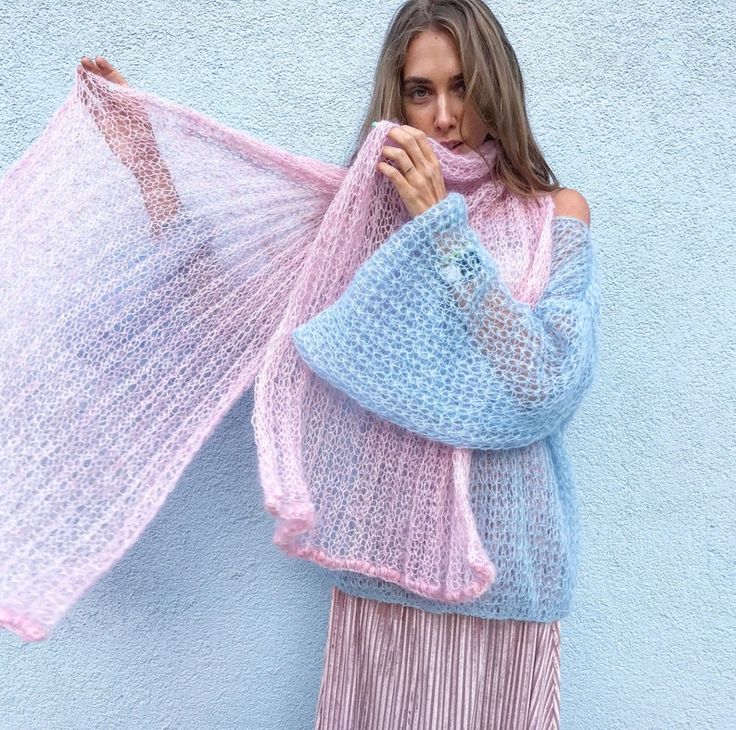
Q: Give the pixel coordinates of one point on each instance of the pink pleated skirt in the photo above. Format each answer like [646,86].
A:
[393,667]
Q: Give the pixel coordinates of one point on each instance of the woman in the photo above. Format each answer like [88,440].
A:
[395,658]
[448,72]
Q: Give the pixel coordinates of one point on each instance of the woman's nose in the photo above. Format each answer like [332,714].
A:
[445,113]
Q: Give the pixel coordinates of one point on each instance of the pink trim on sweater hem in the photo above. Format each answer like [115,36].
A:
[486,571]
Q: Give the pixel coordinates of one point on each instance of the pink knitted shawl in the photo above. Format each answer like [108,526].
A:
[125,342]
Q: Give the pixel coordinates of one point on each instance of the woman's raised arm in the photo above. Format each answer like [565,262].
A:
[128,132]
[445,351]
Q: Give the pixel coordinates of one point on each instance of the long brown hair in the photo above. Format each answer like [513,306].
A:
[493,82]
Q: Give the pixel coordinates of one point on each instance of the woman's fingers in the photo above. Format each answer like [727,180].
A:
[399,156]
[102,67]
[108,69]
[407,137]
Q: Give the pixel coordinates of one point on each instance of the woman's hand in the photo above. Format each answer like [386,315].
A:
[422,185]
[126,127]
[121,118]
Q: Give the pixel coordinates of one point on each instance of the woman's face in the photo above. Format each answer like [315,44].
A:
[433,92]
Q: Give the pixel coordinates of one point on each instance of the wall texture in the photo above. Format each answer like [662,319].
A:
[205,623]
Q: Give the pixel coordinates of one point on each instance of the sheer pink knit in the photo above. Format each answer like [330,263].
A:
[125,343]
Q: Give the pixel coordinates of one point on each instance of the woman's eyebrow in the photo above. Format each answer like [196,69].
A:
[422,80]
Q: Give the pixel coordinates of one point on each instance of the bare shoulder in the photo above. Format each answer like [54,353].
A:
[570,202]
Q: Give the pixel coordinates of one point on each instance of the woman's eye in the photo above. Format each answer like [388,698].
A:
[414,93]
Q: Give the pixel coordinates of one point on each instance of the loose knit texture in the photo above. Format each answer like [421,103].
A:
[465,364]
[125,342]
[522,487]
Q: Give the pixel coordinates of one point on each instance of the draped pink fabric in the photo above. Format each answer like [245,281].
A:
[125,341]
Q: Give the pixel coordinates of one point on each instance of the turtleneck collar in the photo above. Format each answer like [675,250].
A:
[462,172]
[463,169]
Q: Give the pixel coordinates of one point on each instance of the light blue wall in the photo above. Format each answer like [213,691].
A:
[205,623]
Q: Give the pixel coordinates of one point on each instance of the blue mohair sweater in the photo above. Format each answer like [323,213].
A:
[507,398]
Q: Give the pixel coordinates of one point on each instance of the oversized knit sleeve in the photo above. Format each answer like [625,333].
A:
[458,359]
[125,337]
